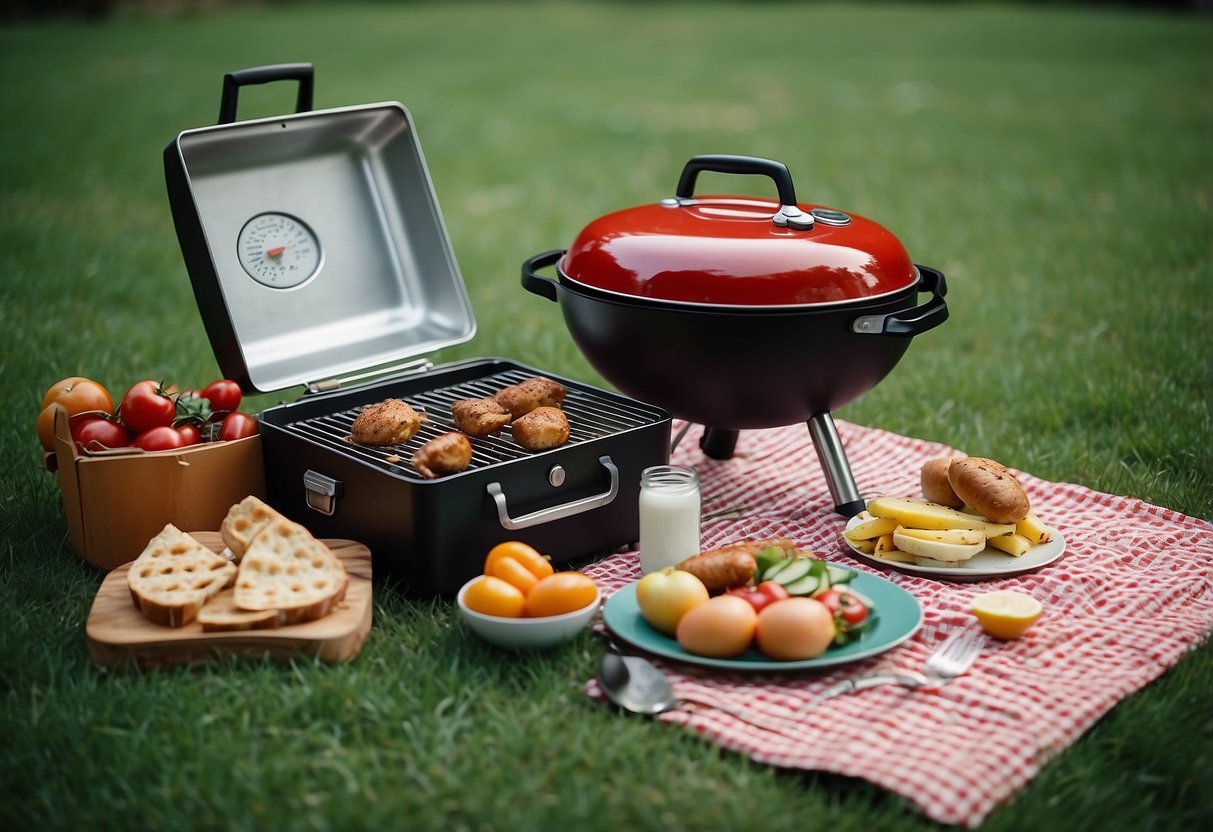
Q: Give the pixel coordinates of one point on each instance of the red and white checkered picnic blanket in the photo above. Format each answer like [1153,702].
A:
[1130,596]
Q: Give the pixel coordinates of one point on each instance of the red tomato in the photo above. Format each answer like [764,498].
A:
[238,426]
[100,434]
[762,595]
[147,405]
[224,395]
[160,438]
[79,396]
[190,434]
[848,610]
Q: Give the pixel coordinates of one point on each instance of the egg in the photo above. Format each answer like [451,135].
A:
[794,629]
[721,627]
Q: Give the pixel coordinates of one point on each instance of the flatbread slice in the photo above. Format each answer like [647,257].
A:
[175,576]
[242,523]
[222,615]
[286,569]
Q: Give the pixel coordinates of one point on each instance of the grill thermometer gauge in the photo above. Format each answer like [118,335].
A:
[278,250]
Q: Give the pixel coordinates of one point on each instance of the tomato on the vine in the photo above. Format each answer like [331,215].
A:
[190,434]
[844,606]
[761,596]
[223,394]
[100,434]
[237,426]
[146,405]
[80,396]
[160,438]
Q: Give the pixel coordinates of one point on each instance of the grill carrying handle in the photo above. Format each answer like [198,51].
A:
[559,512]
[914,321]
[233,81]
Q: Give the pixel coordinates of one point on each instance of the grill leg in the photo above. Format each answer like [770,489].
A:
[718,443]
[833,459]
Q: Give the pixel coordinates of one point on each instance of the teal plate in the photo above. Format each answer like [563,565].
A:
[898,616]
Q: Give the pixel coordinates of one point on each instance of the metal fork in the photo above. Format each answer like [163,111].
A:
[951,659]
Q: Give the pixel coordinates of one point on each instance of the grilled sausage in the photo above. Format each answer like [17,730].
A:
[723,568]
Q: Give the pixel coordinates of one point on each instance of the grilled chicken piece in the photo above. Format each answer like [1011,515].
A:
[523,397]
[390,422]
[479,417]
[541,429]
[449,453]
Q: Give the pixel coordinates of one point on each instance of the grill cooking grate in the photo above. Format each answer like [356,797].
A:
[591,416]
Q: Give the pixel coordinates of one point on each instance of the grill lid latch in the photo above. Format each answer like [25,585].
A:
[321,492]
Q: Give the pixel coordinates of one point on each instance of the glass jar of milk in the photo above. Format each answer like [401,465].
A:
[669,516]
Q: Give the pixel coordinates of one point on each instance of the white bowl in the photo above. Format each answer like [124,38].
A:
[527,633]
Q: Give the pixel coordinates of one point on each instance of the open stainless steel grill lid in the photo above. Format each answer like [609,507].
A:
[319,257]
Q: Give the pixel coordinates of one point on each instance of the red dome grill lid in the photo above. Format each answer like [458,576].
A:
[738,251]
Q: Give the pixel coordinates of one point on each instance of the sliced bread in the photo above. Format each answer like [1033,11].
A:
[284,568]
[175,576]
[242,523]
[221,615]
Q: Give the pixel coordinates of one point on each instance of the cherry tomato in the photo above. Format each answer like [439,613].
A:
[238,426]
[224,395]
[147,404]
[844,607]
[493,596]
[93,435]
[762,595]
[79,396]
[159,438]
[526,556]
[559,593]
[190,434]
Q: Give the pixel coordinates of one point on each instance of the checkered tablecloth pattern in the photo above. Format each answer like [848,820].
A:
[1129,597]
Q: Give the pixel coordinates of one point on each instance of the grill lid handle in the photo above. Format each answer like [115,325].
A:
[232,81]
[559,512]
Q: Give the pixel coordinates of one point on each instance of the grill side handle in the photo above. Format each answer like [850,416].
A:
[559,512]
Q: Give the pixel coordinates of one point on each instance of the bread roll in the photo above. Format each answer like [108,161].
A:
[935,485]
[989,488]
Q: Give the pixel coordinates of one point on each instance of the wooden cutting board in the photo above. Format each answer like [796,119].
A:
[118,634]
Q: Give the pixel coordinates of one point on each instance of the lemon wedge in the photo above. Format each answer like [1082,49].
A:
[1006,614]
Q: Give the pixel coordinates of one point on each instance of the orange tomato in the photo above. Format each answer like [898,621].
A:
[493,596]
[535,563]
[78,396]
[559,593]
[512,572]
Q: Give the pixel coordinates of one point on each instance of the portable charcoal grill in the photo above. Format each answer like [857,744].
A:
[318,257]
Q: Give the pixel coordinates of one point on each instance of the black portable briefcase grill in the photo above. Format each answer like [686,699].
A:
[319,257]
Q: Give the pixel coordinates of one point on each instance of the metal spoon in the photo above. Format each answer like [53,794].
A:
[636,685]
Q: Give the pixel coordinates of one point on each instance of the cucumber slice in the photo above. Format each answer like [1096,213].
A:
[771,571]
[767,558]
[804,586]
[794,571]
[839,575]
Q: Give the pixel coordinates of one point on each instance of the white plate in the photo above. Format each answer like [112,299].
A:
[986,564]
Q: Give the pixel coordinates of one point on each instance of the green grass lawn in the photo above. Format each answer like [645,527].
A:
[1055,163]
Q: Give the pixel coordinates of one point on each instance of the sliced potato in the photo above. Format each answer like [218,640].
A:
[1015,545]
[957,537]
[936,550]
[917,514]
[868,547]
[1035,531]
[871,529]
